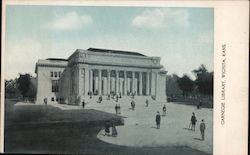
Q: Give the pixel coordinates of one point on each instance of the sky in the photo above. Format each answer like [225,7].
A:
[182,37]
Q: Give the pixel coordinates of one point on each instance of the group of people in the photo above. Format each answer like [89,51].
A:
[193,124]
[111,125]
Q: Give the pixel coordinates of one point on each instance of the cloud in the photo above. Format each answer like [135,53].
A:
[21,56]
[69,21]
[162,18]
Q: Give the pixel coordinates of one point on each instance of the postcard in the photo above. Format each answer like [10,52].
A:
[128,77]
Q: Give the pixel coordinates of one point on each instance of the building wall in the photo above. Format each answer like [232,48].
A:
[44,84]
[75,85]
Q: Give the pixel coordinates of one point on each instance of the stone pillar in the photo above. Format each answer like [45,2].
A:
[91,80]
[129,84]
[140,83]
[135,86]
[96,83]
[125,83]
[117,82]
[99,82]
[86,81]
[105,86]
[112,84]
[147,83]
[108,82]
[120,85]
[133,82]
[153,83]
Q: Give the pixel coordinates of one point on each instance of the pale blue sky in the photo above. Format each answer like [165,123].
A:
[182,37]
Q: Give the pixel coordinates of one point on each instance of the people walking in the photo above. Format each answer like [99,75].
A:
[202,129]
[158,120]
[116,109]
[164,109]
[193,122]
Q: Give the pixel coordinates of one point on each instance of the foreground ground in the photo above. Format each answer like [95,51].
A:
[139,127]
[69,136]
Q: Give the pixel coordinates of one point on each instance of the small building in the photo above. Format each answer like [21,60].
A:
[99,72]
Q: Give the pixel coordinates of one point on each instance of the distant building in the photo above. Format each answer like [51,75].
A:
[99,72]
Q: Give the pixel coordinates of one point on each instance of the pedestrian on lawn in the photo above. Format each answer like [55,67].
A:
[202,129]
[193,121]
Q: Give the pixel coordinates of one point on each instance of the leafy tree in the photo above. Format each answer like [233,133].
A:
[31,93]
[24,83]
[11,89]
[172,87]
[204,80]
[186,85]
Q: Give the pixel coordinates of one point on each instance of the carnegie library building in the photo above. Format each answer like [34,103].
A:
[99,72]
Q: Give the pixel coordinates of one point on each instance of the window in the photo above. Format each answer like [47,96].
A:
[56,99]
[55,74]
[51,74]
[52,99]
[55,86]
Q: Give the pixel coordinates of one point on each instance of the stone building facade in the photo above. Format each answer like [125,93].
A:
[99,72]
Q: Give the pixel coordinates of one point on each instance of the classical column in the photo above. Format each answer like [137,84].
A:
[85,75]
[125,83]
[133,82]
[117,82]
[147,83]
[100,82]
[140,83]
[120,85]
[153,83]
[91,80]
[108,83]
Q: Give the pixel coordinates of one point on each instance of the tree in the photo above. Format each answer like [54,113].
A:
[204,80]
[186,85]
[172,87]
[11,89]
[24,83]
[31,93]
